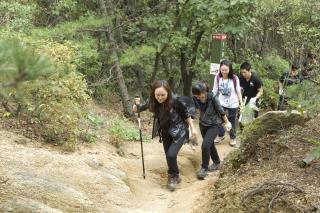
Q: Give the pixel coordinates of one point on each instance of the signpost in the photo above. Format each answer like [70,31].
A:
[217,53]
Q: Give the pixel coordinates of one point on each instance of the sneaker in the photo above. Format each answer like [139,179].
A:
[178,178]
[218,139]
[172,182]
[214,167]
[233,142]
[202,173]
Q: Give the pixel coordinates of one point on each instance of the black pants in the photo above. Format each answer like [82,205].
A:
[283,103]
[208,147]
[171,150]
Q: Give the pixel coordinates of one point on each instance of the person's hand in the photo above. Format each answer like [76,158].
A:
[241,106]
[194,133]
[228,126]
[280,91]
[137,100]
[135,103]
[253,100]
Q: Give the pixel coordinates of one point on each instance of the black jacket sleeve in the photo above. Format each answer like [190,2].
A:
[144,106]
[185,107]
[217,106]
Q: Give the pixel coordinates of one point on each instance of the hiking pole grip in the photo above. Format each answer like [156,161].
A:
[141,143]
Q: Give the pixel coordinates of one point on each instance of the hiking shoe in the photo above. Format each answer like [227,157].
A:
[218,139]
[172,182]
[178,178]
[214,167]
[202,173]
[233,142]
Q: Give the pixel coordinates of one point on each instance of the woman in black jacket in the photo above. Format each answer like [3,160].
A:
[173,118]
[212,116]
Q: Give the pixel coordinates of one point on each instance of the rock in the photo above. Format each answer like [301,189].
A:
[29,205]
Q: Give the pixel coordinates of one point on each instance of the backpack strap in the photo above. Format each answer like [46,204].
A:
[234,80]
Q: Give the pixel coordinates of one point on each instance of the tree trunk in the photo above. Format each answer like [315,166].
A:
[185,74]
[156,67]
[141,81]
[106,11]
[166,69]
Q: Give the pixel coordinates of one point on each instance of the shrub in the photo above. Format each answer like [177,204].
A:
[54,98]
[122,130]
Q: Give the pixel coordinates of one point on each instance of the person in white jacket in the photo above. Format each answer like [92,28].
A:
[227,88]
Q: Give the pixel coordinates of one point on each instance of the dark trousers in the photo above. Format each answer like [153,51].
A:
[232,117]
[208,148]
[283,103]
[171,150]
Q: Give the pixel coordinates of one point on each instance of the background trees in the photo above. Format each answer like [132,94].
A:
[121,46]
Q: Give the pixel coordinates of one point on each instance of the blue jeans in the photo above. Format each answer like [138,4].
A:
[232,116]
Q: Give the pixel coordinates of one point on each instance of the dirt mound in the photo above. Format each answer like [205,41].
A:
[272,181]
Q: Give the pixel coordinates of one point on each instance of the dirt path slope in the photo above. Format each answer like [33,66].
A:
[95,179]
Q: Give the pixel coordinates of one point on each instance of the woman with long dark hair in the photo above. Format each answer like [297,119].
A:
[173,118]
[227,88]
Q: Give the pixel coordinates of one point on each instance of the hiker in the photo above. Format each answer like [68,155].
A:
[173,119]
[288,78]
[251,86]
[310,66]
[212,116]
[227,88]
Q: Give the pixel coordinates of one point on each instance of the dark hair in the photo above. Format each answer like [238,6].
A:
[311,55]
[228,64]
[295,65]
[199,87]
[154,104]
[245,66]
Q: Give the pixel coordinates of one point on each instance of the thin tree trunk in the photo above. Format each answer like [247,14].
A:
[106,10]
[166,69]
[156,67]
[186,76]
[141,81]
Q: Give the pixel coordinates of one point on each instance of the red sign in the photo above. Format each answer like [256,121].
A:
[219,37]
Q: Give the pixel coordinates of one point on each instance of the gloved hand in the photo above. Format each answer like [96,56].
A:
[135,103]
[137,100]
[280,91]
[253,100]
[228,126]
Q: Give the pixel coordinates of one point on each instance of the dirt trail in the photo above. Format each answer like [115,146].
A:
[151,194]
[37,178]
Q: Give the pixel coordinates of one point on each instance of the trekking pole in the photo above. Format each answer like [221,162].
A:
[280,105]
[140,131]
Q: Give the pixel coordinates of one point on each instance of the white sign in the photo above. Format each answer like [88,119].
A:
[214,68]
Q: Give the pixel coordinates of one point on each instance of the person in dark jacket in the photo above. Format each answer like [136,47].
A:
[173,119]
[288,78]
[212,117]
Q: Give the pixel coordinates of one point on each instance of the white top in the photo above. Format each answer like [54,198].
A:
[226,92]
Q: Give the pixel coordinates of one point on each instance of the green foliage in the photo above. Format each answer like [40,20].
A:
[88,132]
[269,69]
[17,15]
[122,130]
[51,13]
[313,155]
[137,55]
[61,107]
[20,66]
[54,103]
[304,97]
